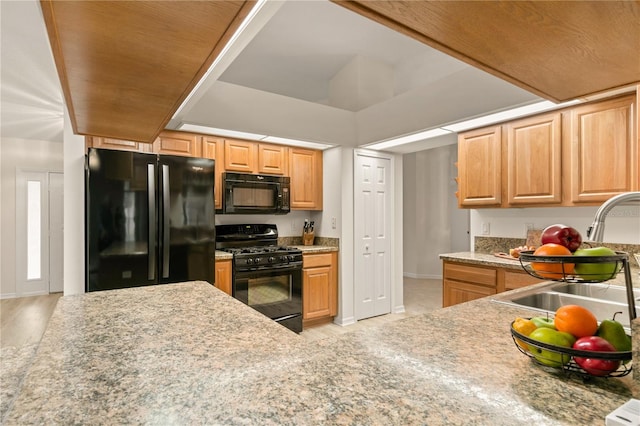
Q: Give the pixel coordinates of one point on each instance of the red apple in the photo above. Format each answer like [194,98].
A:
[563,235]
[594,366]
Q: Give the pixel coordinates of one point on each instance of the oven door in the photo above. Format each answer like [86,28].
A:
[275,292]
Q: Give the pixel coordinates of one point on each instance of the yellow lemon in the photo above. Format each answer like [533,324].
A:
[524,327]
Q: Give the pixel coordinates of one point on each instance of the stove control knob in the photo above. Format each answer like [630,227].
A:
[284,258]
[290,258]
[249,261]
[257,260]
[271,259]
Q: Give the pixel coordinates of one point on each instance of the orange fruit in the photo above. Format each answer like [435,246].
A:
[576,320]
[552,270]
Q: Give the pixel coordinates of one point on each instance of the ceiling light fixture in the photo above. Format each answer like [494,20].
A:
[473,123]
[214,131]
[297,142]
[511,114]
[220,132]
[402,140]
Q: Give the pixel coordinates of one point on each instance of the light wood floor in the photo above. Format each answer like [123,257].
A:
[24,320]
[420,296]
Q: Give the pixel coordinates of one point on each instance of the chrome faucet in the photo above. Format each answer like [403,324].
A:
[596,231]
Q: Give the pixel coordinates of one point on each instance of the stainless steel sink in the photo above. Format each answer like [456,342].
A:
[612,293]
[601,299]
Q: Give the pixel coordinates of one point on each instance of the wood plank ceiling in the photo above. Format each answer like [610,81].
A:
[559,50]
[127,66]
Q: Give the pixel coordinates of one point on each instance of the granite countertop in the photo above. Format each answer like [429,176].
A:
[316,249]
[484,259]
[188,353]
[223,255]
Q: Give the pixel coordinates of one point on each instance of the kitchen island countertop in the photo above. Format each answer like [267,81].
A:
[188,353]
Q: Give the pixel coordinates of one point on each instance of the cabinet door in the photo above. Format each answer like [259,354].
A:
[121,145]
[273,159]
[240,156]
[513,280]
[178,143]
[317,293]
[533,160]
[455,292]
[479,168]
[213,148]
[223,275]
[603,157]
[305,170]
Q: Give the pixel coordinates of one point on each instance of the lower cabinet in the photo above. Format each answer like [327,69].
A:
[319,287]
[464,282]
[223,275]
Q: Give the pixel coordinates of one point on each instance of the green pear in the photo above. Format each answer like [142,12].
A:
[612,332]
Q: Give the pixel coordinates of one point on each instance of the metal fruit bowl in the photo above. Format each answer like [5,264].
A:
[571,367]
[562,262]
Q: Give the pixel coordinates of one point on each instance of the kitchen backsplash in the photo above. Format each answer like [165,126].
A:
[499,244]
[318,241]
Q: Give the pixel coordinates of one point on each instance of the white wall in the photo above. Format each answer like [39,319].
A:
[622,224]
[20,154]
[74,248]
[432,222]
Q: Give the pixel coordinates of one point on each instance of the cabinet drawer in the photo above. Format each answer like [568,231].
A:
[513,280]
[472,274]
[315,260]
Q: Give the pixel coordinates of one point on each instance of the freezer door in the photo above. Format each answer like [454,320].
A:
[120,249]
[186,219]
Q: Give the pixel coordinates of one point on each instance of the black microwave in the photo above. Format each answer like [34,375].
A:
[246,193]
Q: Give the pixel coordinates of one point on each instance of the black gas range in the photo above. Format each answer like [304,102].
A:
[264,257]
[265,275]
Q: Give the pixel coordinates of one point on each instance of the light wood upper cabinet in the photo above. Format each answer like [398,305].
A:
[273,159]
[534,160]
[213,148]
[240,156]
[479,167]
[108,143]
[305,170]
[577,156]
[178,143]
[602,150]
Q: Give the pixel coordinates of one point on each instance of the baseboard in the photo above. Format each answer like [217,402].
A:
[8,296]
[398,310]
[422,277]
[345,321]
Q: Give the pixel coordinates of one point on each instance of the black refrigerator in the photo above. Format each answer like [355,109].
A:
[149,219]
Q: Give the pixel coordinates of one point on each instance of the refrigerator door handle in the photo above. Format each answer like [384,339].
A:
[151,239]
[165,219]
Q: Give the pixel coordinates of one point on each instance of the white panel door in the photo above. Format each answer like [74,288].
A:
[372,210]
[56,232]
